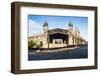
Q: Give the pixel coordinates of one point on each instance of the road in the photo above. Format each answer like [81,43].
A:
[74,53]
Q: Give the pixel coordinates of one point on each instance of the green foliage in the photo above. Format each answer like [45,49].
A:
[31,43]
[39,44]
[36,44]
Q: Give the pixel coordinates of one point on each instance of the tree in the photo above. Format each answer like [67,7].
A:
[31,44]
[39,44]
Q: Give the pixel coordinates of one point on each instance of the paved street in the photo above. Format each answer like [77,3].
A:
[64,53]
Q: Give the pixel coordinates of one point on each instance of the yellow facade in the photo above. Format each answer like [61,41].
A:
[58,37]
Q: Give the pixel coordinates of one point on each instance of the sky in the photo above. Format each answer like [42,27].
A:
[35,23]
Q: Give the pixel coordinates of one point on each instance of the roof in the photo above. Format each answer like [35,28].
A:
[58,30]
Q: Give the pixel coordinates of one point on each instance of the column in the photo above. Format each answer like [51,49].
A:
[53,41]
[74,40]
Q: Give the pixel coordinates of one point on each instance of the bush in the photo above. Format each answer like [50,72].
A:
[35,44]
[31,44]
[39,45]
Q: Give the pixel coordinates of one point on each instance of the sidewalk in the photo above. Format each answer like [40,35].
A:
[55,50]
[52,51]
[62,49]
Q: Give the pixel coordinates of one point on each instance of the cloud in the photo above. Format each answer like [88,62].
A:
[34,28]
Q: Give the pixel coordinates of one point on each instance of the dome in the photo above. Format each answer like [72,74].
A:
[45,24]
[70,24]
